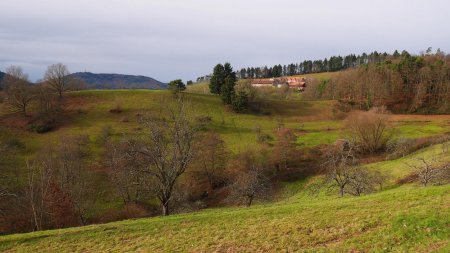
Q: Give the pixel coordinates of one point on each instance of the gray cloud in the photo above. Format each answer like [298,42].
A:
[168,39]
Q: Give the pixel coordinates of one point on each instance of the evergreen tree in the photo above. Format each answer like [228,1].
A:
[217,79]
[240,101]
[227,90]
[243,73]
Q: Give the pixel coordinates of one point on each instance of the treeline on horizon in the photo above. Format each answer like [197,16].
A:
[331,64]
[402,82]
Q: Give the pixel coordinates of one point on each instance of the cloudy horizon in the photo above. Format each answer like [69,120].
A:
[173,39]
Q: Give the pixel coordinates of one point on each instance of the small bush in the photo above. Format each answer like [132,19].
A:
[41,127]
[81,111]
[403,147]
[117,107]
[14,143]
[105,134]
[202,122]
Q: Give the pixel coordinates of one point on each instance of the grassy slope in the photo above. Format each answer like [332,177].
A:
[405,219]
[401,218]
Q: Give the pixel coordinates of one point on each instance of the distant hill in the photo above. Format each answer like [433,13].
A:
[118,81]
[2,74]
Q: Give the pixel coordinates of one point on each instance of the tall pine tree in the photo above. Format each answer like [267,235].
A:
[217,79]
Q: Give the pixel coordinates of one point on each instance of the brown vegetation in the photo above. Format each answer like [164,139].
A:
[402,83]
[369,131]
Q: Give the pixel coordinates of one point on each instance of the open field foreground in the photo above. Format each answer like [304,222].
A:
[403,219]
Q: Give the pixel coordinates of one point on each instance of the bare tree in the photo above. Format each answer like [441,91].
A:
[49,107]
[284,149]
[342,170]
[379,178]
[213,156]
[38,188]
[339,165]
[66,162]
[18,90]
[167,147]
[57,77]
[249,185]
[125,172]
[361,181]
[429,170]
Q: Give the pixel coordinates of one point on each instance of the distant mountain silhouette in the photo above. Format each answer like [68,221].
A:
[2,74]
[118,81]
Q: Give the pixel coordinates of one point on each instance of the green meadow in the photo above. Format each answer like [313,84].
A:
[400,218]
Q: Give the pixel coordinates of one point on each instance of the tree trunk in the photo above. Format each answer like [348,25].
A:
[249,201]
[165,207]
[341,191]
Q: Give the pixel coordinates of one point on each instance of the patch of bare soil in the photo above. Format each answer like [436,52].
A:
[372,159]
[15,121]
[73,103]
[408,179]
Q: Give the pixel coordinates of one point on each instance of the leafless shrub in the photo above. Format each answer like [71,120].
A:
[66,164]
[397,148]
[49,110]
[370,131]
[248,186]
[430,170]
[285,148]
[38,188]
[19,92]
[342,170]
[211,160]
[361,181]
[125,172]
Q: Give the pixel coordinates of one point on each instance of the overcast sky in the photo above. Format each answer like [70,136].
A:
[169,39]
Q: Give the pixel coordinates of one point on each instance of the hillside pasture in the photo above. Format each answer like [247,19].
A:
[404,219]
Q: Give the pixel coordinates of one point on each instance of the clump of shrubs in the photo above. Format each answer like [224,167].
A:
[41,127]
[14,143]
[402,147]
[105,134]
[117,107]
[202,122]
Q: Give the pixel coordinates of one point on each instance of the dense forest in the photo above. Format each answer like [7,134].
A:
[334,63]
[403,83]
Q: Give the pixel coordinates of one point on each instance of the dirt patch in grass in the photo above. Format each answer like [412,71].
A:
[408,179]
[73,103]
[15,121]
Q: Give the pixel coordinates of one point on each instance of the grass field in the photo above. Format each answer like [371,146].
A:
[400,219]
[404,219]
[88,112]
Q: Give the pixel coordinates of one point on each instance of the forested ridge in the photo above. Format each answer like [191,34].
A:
[331,64]
[403,83]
